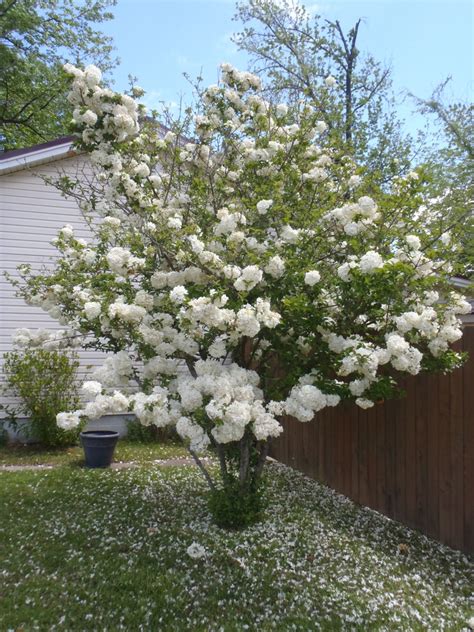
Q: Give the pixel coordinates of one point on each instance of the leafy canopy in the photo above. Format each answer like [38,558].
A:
[36,38]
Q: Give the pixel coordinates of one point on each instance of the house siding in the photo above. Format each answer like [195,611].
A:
[31,213]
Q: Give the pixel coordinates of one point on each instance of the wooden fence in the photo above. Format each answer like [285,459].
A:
[411,459]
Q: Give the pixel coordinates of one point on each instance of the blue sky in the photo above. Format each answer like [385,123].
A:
[423,41]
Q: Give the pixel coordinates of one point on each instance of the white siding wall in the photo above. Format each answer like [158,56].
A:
[31,213]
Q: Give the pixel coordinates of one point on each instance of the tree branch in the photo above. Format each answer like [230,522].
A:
[200,465]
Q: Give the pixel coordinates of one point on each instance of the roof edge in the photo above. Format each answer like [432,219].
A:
[19,159]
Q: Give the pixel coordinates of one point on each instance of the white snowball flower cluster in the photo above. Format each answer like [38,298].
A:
[92,309]
[370,261]
[234,402]
[275,267]
[355,217]
[312,277]
[330,81]
[117,370]
[404,357]
[153,409]
[91,389]
[306,400]
[249,277]
[45,339]
[119,118]
[68,420]
[128,313]
[122,262]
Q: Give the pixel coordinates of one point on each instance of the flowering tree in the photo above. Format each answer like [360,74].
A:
[242,276]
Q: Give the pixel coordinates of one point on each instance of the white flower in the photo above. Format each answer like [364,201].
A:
[89,117]
[312,277]
[263,206]
[316,174]
[246,322]
[275,267]
[366,206]
[364,403]
[196,551]
[175,223]
[113,222]
[126,312]
[68,421]
[121,261]
[353,228]
[248,279]
[370,262]
[330,81]
[92,309]
[92,75]
[218,348]
[178,294]
[343,271]
[91,388]
[67,231]
[144,299]
[413,242]
[354,181]
[290,234]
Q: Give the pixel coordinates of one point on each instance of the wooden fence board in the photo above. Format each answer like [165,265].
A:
[457,465]
[432,506]
[410,454]
[468,455]
[423,405]
[380,503]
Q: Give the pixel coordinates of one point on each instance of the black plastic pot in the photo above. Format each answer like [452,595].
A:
[99,446]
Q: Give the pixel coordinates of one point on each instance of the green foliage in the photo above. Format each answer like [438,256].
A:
[3,434]
[36,39]
[449,170]
[138,433]
[446,363]
[234,507]
[45,382]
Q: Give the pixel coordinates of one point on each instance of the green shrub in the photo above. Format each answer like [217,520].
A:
[235,508]
[139,433]
[45,383]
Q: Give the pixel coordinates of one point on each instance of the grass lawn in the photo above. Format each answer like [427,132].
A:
[106,550]
[21,454]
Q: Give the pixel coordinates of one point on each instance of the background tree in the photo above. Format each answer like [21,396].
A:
[449,169]
[306,57]
[36,38]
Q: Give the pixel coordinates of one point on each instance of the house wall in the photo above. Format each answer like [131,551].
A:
[31,213]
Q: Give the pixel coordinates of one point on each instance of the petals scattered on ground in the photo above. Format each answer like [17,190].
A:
[87,550]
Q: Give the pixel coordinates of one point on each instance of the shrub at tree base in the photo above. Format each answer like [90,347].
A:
[243,275]
[137,432]
[45,382]
[235,508]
